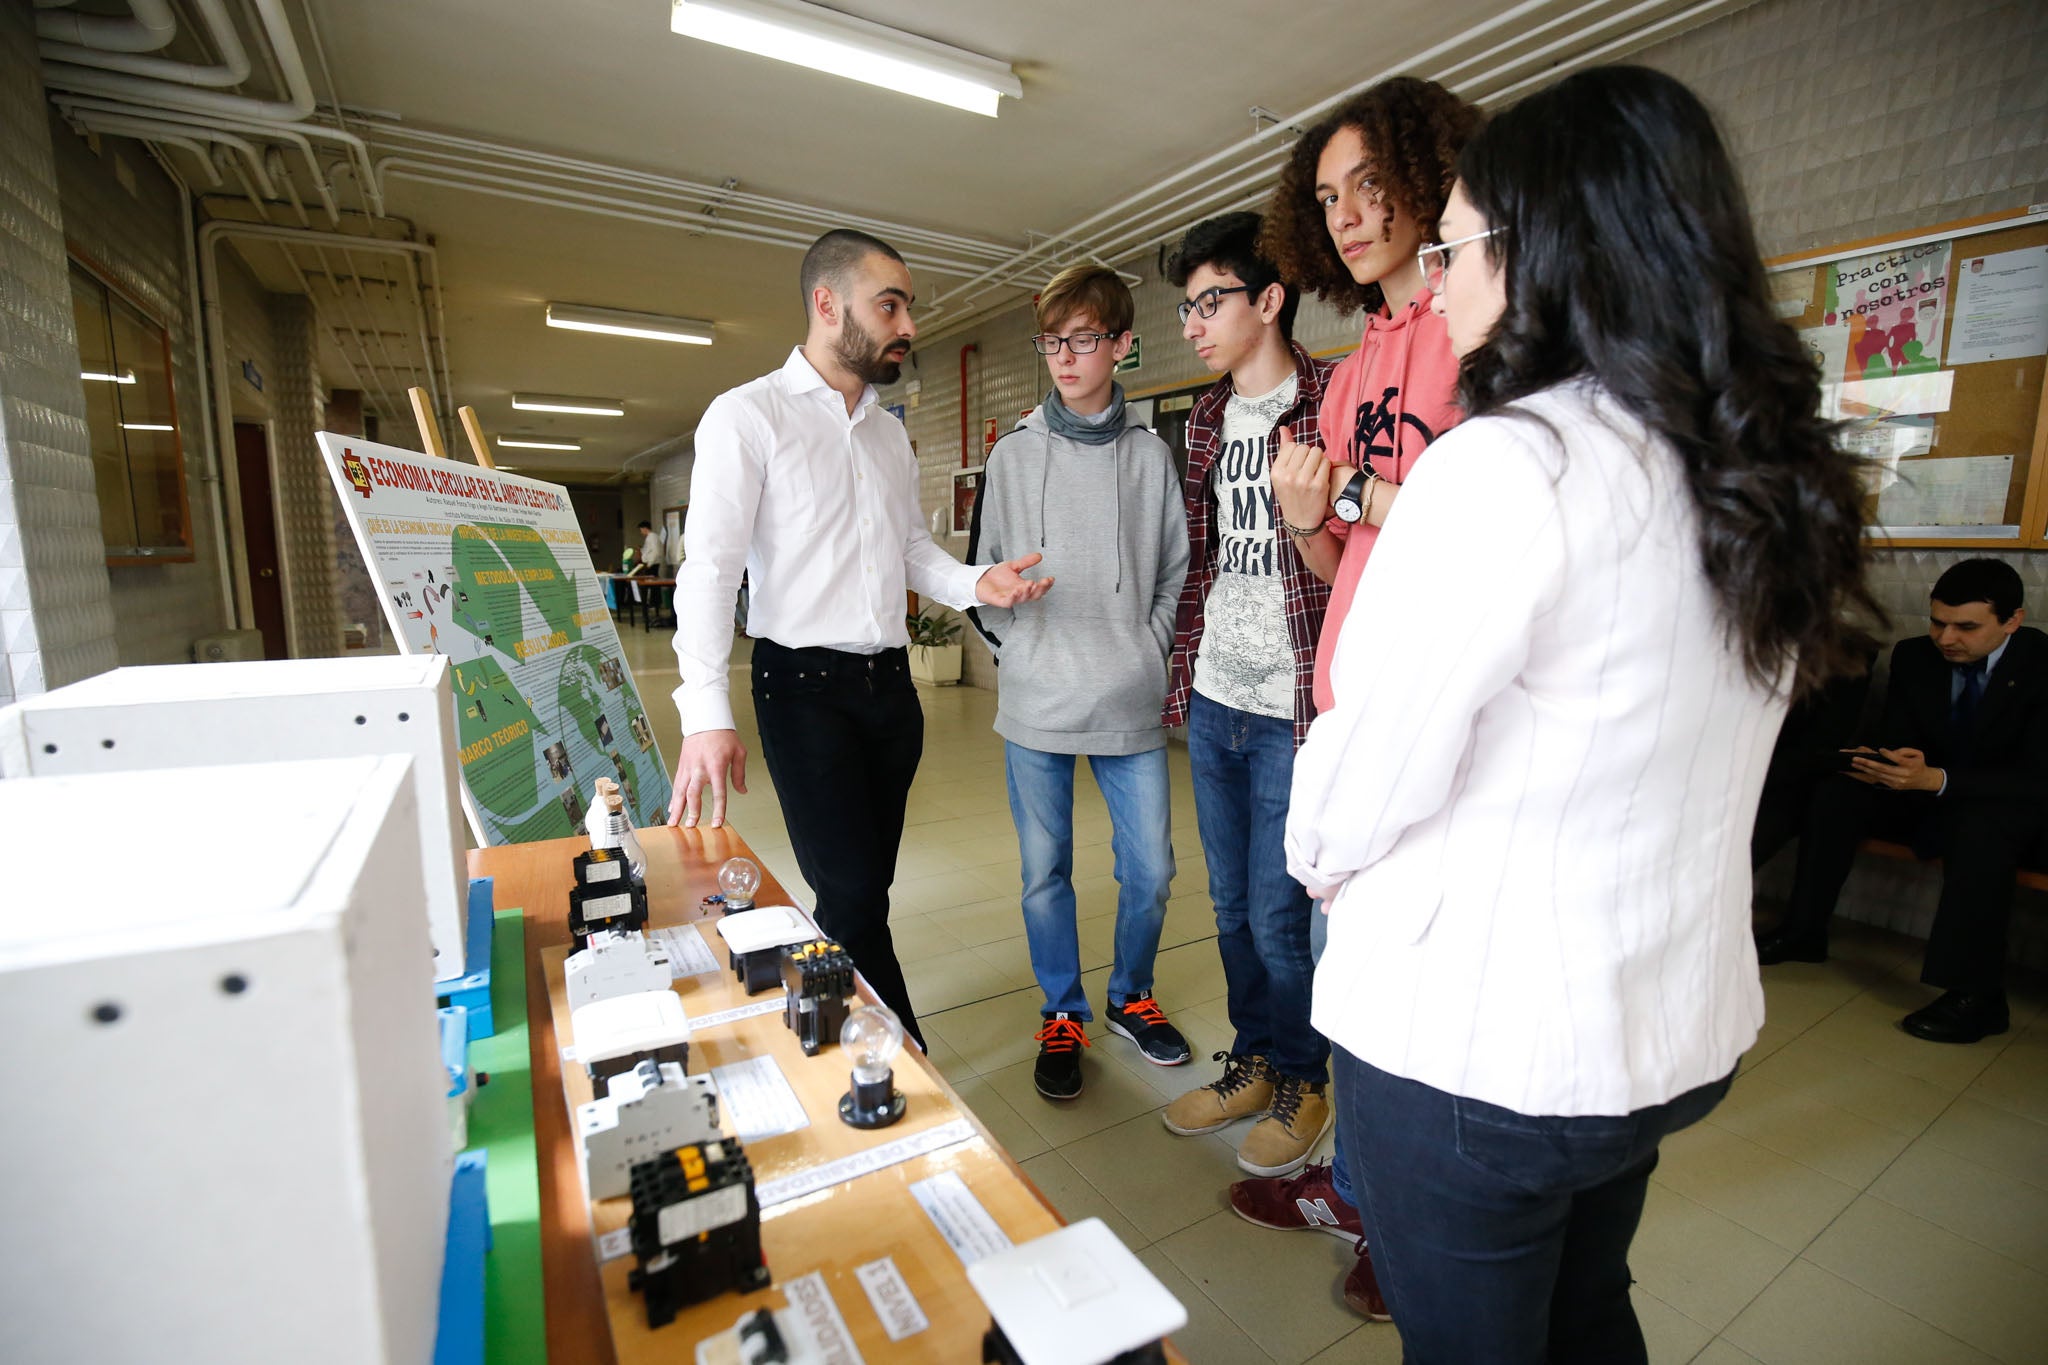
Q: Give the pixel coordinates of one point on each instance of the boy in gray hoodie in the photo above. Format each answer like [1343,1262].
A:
[1083,670]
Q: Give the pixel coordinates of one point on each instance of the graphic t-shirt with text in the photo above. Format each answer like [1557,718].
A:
[1245,659]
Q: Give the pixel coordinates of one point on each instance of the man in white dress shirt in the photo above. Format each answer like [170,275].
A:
[807,485]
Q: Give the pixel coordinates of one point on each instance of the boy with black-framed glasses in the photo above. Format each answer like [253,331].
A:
[1241,679]
[1083,671]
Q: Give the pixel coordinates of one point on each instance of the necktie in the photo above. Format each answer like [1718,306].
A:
[1973,692]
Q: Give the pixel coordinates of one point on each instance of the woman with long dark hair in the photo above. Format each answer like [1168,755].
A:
[1529,811]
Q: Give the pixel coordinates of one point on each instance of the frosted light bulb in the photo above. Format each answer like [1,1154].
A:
[872,1037]
[738,880]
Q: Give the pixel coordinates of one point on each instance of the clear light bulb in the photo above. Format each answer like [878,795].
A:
[872,1036]
[738,880]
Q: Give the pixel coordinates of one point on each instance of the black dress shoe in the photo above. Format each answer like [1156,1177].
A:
[1780,946]
[1959,1017]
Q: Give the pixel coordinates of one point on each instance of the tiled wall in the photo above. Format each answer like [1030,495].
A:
[122,212]
[56,619]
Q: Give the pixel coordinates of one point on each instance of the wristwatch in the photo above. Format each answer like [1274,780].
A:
[1350,504]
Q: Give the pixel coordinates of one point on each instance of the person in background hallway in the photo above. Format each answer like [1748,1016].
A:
[803,482]
[1243,659]
[1960,772]
[650,551]
[1529,811]
[1361,192]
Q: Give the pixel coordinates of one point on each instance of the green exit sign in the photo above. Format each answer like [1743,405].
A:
[1136,358]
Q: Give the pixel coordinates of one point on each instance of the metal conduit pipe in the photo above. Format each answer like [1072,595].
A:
[582,180]
[207,252]
[155,130]
[761,235]
[569,197]
[231,69]
[149,27]
[170,94]
[296,134]
[525,159]
[1628,42]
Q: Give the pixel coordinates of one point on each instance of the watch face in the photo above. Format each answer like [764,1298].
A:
[1347,509]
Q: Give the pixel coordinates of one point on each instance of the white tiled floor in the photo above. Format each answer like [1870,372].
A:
[1861,1197]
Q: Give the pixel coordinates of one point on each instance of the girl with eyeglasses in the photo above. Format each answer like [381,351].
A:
[1360,195]
[1556,698]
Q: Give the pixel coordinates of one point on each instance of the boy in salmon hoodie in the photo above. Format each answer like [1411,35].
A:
[1083,671]
[1360,195]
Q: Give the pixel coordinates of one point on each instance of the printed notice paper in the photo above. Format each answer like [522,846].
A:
[756,1096]
[2001,307]
[960,1217]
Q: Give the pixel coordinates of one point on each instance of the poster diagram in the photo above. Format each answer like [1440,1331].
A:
[490,570]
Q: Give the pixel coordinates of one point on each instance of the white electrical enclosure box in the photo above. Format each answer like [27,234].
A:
[1076,1296]
[225,1135]
[184,715]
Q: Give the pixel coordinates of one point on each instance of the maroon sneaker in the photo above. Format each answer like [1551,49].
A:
[1362,1288]
[1292,1203]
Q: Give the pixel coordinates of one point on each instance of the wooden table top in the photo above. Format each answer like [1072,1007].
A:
[591,1316]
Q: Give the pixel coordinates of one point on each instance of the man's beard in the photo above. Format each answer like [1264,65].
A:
[865,358]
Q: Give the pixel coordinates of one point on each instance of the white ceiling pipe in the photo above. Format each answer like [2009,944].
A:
[296,134]
[231,69]
[277,29]
[1478,88]
[396,166]
[149,29]
[691,200]
[533,160]
[224,161]
[273,161]
[156,130]
[1692,16]
[570,197]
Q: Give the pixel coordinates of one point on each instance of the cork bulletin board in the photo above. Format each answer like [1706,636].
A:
[1933,350]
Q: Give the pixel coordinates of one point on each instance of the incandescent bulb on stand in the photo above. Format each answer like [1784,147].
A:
[871,1038]
[738,880]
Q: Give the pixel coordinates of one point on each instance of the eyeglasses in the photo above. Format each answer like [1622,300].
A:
[1208,301]
[1080,343]
[1435,258]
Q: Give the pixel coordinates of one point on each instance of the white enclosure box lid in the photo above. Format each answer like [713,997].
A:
[1077,1296]
[626,1024]
[770,926]
[189,715]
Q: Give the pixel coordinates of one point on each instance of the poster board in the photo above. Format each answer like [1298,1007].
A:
[1933,350]
[491,570]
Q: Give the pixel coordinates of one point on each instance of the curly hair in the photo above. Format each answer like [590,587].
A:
[1413,130]
[1629,258]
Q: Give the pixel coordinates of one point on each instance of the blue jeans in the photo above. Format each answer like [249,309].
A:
[1244,766]
[1042,804]
[1340,1174]
[1500,1236]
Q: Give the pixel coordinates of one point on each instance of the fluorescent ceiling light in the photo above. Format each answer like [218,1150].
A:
[559,402]
[621,322]
[841,45]
[124,377]
[536,443]
[147,426]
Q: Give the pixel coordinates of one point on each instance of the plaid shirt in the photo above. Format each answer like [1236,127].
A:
[1306,595]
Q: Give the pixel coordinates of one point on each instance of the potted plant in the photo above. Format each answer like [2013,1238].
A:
[934,647]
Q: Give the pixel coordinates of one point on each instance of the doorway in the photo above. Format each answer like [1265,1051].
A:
[259,536]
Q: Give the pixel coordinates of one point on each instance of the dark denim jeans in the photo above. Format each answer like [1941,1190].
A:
[1243,768]
[1498,1236]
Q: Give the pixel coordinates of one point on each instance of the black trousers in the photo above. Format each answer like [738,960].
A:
[842,734]
[1982,846]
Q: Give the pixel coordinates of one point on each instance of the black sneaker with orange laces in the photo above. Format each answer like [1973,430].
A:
[1058,1073]
[1142,1021]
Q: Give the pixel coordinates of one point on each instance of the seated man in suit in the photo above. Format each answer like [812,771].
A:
[1960,772]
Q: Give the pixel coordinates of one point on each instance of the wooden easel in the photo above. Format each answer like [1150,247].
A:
[430,430]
